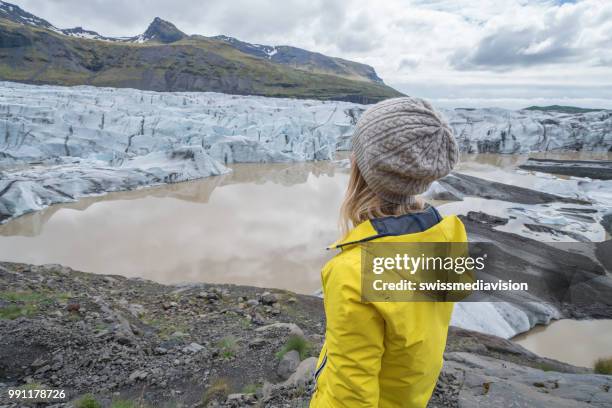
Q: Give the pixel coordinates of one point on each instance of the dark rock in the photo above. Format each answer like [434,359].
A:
[483,218]
[110,280]
[446,392]
[43,369]
[477,187]
[580,217]
[123,339]
[606,222]
[555,270]
[257,342]
[213,295]
[288,364]
[268,298]
[11,39]
[73,307]
[578,210]
[56,366]
[602,252]
[258,319]
[595,169]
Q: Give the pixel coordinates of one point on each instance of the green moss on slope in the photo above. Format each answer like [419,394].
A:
[196,63]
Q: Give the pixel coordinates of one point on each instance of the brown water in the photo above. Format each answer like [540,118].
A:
[578,342]
[262,225]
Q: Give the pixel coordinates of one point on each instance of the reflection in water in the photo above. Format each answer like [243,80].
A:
[263,225]
[577,342]
[198,191]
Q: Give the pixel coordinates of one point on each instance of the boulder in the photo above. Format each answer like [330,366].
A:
[288,364]
[606,222]
[292,328]
[479,187]
[303,374]
[193,348]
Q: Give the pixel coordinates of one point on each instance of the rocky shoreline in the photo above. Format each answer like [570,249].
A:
[139,343]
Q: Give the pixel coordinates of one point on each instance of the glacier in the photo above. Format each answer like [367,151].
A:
[116,137]
[39,186]
[502,319]
[495,130]
[60,143]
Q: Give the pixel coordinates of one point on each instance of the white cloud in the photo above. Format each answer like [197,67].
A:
[541,36]
[408,63]
[440,49]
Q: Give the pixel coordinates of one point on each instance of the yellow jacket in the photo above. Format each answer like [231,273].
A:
[381,354]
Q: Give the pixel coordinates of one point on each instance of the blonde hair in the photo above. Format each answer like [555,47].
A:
[361,204]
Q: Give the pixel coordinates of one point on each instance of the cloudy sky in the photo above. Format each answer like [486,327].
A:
[507,53]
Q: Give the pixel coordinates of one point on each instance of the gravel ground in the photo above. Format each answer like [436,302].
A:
[119,342]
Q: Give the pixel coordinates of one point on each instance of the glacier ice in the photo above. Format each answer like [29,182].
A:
[38,186]
[48,133]
[495,130]
[46,122]
[59,144]
[501,318]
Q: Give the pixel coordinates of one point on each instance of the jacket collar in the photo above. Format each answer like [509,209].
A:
[390,226]
[357,234]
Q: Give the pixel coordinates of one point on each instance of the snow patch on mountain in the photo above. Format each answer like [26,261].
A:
[158,30]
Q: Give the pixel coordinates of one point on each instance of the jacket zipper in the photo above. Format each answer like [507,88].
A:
[321,367]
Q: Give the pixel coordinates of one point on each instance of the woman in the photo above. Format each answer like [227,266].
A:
[386,354]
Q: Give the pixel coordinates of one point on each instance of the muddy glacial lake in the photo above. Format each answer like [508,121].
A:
[577,342]
[262,225]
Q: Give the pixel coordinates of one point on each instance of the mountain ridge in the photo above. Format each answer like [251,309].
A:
[289,55]
[32,50]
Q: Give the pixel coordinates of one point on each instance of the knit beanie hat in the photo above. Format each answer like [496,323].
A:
[401,146]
